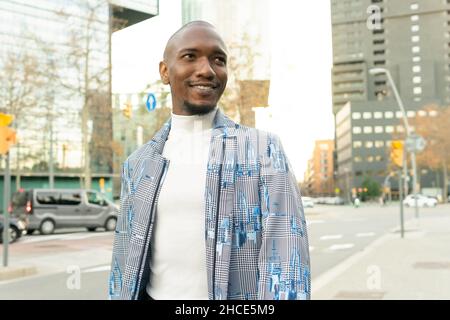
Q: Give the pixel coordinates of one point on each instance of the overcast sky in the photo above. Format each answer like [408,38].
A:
[301,64]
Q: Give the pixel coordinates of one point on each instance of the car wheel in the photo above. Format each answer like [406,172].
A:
[92,229]
[14,234]
[47,227]
[110,224]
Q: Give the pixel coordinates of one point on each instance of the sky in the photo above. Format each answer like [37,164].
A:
[301,60]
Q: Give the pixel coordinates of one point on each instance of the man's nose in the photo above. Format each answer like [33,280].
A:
[204,68]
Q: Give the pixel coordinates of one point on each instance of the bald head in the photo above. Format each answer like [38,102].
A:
[195,67]
[179,34]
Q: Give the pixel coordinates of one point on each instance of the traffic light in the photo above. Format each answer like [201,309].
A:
[397,153]
[7,135]
[127,112]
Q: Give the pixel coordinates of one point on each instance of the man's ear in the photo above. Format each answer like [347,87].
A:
[164,72]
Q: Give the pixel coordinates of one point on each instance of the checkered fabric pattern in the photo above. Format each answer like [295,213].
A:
[256,237]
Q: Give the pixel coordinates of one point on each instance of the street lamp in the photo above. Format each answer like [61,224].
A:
[409,132]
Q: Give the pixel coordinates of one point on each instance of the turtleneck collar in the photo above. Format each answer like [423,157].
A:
[194,123]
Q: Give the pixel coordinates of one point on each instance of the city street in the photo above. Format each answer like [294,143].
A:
[74,264]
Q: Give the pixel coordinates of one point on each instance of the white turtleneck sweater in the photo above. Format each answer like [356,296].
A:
[178,264]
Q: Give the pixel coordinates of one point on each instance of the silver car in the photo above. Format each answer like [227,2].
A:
[48,209]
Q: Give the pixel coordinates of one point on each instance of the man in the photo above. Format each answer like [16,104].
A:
[210,209]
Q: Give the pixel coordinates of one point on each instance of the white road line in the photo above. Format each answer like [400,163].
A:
[98,269]
[324,279]
[331,237]
[310,222]
[365,234]
[41,238]
[341,246]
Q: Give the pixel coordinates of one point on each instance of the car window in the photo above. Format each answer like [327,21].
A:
[96,198]
[70,198]
[48,198]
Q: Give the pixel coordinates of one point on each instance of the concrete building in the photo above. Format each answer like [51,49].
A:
[409,38]
[61,53]
[319,175]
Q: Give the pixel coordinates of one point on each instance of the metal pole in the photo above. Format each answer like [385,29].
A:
[51,175]
[409,132]
[400,188]
[6,193]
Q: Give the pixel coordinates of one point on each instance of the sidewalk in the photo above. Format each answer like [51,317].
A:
[415,267]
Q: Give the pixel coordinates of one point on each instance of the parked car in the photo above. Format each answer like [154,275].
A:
[422,201]
[48,209]
[17,228]
[307,202]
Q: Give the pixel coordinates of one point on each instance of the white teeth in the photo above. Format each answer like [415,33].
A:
[203,87]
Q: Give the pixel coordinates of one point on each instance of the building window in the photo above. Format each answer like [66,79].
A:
[415,17]
[379,158]
[357,144]
[414,6]
[378,115]
[416,69]
[400,129]
[415,28]
[367,129]
[389,129]
[378,129]
[370,159]
[433,113]
[411,114]
[398,114]
[415,49]
[417,90]
[356,130]
[415,39]
[417,79]
[357,159]
[369,144]
[356,115]
[422,113]
[379,144]
[388,114]
[416,59]
[367,115]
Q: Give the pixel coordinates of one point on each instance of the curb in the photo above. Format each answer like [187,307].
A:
[8,273]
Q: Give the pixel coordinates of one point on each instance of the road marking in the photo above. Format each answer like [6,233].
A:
[310,222]
[328,276]
[331,237]
[341,246]
[365,234]
[98,269]
[69,236]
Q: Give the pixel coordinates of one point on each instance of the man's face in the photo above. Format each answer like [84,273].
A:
[195,67]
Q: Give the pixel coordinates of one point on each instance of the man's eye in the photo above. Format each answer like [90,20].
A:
[188,56]
[221,60]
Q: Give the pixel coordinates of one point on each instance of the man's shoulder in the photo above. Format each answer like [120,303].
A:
[254,135]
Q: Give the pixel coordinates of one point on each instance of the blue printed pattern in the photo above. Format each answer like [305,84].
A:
[255,229]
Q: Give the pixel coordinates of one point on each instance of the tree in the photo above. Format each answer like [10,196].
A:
[433,123]
[240,67]
[371,187]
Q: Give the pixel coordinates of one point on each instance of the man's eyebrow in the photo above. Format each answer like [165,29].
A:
[216,51]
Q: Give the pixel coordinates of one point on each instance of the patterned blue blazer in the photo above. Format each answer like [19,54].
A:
[256,238]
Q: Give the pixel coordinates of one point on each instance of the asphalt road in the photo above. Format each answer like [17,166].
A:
[76,262]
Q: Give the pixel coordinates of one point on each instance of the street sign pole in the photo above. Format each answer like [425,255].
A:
[400,188]
[6,187]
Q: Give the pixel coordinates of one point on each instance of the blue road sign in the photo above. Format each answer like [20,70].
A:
[151,102]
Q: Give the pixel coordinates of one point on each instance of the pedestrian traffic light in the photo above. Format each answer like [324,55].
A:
[7,135]
[127,112]
[397,152]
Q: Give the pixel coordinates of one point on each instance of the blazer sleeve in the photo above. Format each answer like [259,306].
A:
[121,236]
[283,264]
